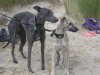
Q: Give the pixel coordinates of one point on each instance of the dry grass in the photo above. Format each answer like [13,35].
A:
[8,4]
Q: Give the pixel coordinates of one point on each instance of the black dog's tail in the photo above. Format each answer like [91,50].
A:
[7,44]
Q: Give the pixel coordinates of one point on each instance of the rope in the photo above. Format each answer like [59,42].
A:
[5,16]
[53,31]
[49,30]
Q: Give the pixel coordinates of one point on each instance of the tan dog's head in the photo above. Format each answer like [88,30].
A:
[68,25]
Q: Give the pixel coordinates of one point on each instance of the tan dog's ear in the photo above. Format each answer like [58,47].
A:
[38,8]
[63,19]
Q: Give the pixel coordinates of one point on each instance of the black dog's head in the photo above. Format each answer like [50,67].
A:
[68,25]
[45,14]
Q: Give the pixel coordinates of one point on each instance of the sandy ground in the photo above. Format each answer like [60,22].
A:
[84,51]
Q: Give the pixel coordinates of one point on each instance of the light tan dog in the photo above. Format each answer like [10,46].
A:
[60,43]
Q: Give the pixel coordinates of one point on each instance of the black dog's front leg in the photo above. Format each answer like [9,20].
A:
[42,55]
[29,57]
[30,33]
[42,40]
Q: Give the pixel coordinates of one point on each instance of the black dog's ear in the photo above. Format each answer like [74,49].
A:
[37,8]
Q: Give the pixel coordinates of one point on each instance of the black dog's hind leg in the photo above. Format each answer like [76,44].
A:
[13,46]
[12,33]
[42,41]
[22,37]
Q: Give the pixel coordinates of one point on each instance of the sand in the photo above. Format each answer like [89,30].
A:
[84,51]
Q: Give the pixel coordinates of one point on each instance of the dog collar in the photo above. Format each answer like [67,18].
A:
[60,36]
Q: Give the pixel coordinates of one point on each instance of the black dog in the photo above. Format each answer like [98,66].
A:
[25,24]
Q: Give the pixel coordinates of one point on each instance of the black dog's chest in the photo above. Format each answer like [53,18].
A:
[37,34]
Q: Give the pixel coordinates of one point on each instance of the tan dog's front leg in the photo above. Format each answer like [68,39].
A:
[53,72]
[66,62]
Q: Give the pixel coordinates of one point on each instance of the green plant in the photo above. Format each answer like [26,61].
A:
[82,8]
[89,8]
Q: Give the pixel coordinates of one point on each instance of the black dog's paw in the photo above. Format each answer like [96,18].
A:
[15,61]
[30,70]
[25,57]
[43,68]
[57,64]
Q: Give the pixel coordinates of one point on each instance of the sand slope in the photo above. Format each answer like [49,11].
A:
[84,51]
